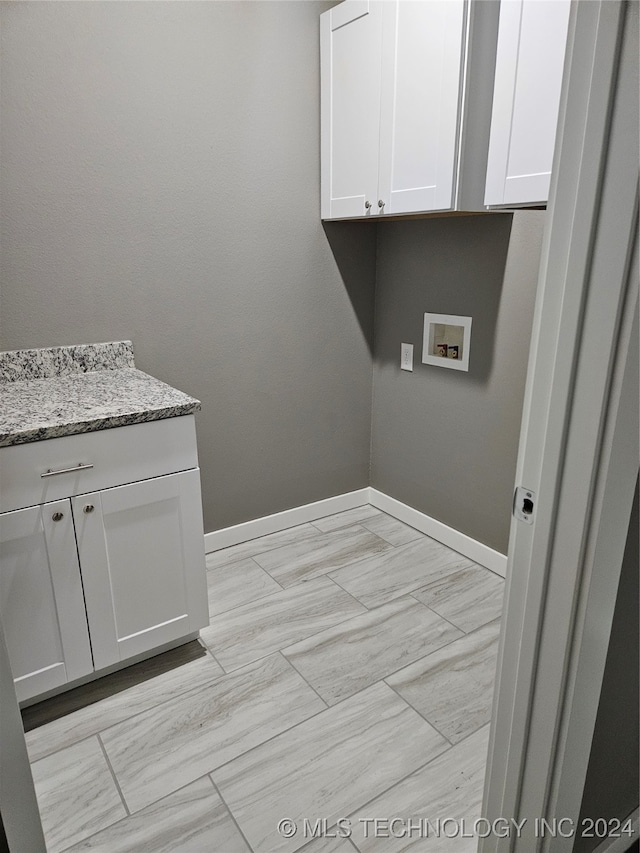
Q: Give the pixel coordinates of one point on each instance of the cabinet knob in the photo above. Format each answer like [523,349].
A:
[88,508]
[380,203]
[57,516]
[367,204]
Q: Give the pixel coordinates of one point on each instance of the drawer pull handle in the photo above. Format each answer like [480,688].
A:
[57,516]
[78,467]
[88,508]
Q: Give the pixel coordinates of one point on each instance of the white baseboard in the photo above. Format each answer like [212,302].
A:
[282,520]
[622,843]
[460,542]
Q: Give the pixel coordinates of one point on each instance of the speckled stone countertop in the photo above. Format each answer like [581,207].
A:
[48,393]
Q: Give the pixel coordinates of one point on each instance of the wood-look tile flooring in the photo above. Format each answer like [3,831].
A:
[347,674]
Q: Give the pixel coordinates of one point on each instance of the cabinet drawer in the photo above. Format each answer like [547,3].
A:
[112,457]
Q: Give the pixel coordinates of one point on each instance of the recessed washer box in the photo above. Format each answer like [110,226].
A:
[446,341]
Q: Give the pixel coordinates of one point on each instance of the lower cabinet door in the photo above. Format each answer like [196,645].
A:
[141,550]
[41,600]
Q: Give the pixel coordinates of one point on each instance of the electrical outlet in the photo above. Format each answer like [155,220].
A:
[406,356]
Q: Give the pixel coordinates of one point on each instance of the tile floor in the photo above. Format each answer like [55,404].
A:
[347,674]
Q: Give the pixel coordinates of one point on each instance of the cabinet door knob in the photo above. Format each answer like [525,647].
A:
[367,204]
[380,203]
[57,516]
[88,508]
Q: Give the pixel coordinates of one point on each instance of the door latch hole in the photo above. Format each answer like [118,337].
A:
[524,501]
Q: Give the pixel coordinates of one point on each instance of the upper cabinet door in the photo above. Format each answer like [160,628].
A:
[350,37]
[422,65]
[41,599]
[529,63]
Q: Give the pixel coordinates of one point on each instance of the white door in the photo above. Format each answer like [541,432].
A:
[532,40]
[22,827]
[350,108]
[41,599]
[579,452]
[141,552]
[422,60]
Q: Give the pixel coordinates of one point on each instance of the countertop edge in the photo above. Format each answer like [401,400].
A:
[98,424]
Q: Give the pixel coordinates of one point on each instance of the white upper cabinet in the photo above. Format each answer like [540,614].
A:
[530,54]
[422,54]
[438,105]
[350,47]
[401,84]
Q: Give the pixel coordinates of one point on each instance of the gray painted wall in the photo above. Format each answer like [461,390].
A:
[612,783]
[444,441]
[160,183]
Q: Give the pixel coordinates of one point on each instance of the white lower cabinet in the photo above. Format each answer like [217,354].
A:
[99,577]
[140,550]
[41,599]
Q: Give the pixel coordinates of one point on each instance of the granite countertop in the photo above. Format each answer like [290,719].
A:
[48,393]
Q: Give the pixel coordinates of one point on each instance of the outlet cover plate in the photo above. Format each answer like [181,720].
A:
[406,356]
